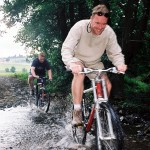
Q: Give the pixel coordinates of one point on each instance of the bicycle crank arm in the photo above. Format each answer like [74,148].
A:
[107,138]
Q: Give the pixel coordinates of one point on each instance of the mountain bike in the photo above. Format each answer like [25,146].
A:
[99,117]
[42,97]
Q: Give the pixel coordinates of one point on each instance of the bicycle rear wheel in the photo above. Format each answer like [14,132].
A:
[111,144]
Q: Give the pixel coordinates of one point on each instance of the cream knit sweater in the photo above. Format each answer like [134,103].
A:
[80,45]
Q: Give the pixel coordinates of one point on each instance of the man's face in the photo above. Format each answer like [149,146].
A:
[98,24]
[41,58]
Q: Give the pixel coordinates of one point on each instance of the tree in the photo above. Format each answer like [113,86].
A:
[13,69]
[47,22]
[45,25]
[130,20]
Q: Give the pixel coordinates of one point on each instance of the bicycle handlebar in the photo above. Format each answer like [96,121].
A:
[89,70]
[40,77]
[44,79]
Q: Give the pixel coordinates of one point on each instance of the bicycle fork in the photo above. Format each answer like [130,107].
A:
[98,101]
[99,127]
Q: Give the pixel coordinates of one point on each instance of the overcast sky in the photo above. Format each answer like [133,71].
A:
[7,45]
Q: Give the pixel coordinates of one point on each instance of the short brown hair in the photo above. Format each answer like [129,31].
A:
[100,8]
[42,54]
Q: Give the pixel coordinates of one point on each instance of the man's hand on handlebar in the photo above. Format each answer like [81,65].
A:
[50,79]
[75,68]
[122,68]
[36,76]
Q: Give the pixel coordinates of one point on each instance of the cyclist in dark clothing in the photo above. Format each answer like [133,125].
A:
[38,69]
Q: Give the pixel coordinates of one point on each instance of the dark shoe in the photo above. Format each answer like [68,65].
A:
[77,117]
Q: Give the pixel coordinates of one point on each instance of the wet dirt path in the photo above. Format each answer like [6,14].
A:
[23,127]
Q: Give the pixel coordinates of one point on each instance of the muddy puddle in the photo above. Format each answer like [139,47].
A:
[26,128]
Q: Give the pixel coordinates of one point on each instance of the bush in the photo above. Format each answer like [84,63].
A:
[13,69]
[6,69]
[22,76]
[24,70]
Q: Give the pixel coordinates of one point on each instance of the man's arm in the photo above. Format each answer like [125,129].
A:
[33,72]
[49,74]
[69,44]
[48,68]
[114,53]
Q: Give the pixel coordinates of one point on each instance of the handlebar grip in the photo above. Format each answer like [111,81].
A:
[114,70]
[121,72]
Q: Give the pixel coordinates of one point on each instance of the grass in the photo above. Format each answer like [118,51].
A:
[7,74]
[136,85]
[18,66]
[22,76]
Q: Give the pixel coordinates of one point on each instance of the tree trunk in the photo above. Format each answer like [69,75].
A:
[62,22]
[129,23]
[83,10]
[71,13]
[96,2]
[133,42]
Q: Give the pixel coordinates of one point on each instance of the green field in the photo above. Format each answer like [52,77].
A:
[18,67]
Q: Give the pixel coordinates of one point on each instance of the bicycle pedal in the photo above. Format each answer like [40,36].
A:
[44,95]
[78,125]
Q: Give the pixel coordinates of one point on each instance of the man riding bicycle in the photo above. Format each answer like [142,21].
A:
[84,46]
[38,69]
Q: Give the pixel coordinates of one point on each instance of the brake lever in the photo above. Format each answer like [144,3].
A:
[87,70]
[114,70]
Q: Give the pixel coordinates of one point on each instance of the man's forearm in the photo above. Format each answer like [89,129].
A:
[50,74]
[33,73]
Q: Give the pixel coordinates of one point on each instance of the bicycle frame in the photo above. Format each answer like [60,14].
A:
[42,95]
[40,90]
[41,84]
[100,96]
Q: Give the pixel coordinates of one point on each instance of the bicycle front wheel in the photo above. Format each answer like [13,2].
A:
[37,99]
[115,143]
[44,103]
